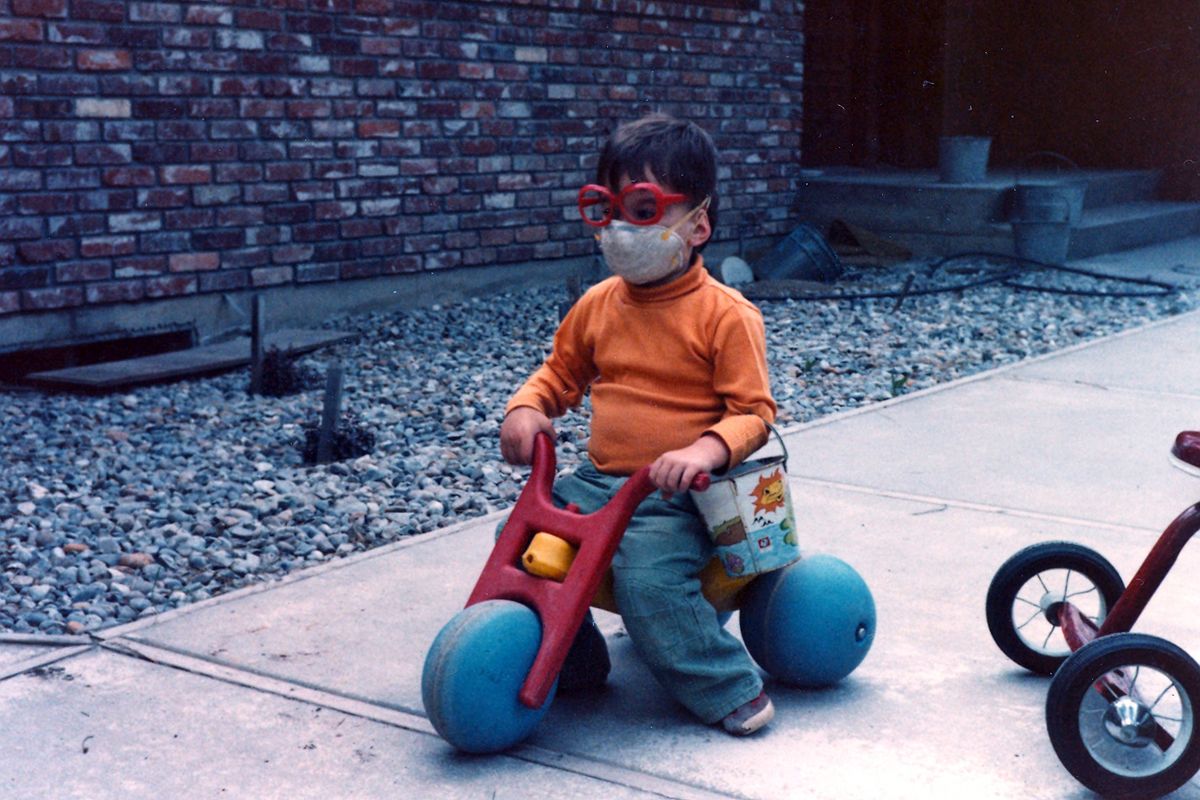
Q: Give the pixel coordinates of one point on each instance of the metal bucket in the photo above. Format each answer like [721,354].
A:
[1041,201]
[804,255]
[749,516]
[963,159]
[1046,238]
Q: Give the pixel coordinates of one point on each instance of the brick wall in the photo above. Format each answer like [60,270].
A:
[161,149]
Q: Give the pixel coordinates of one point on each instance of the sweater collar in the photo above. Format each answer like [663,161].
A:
[689,281]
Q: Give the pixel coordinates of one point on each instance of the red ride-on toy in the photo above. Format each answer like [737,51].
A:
[1121,708]
[491,673]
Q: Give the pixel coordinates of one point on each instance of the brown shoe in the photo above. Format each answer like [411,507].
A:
[749,717]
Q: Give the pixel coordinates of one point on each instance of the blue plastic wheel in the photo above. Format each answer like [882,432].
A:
[809,624]
[472,674]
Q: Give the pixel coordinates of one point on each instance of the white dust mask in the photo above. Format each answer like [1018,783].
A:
[641,253]
[644,253]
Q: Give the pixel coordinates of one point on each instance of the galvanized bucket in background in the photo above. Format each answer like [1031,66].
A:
[1048,239]
[749,516]
[1037,200]
[963,159]
[803,254]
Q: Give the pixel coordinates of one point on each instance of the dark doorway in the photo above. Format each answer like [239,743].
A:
[873,82]
[1109,84]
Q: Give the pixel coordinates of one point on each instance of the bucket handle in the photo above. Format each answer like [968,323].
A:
[778,436]
[1049,154]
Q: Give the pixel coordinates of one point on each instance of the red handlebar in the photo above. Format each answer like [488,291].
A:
[561,606]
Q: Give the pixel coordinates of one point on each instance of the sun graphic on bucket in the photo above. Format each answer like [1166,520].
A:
[769,494]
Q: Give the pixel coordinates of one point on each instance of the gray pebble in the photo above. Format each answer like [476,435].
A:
[219,496]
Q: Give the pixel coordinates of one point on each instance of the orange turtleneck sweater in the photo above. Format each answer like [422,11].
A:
[665,365]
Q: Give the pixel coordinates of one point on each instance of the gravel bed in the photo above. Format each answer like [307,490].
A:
[121,506]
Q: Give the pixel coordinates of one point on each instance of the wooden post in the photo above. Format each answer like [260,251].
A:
[574,290]
[257,322]
[329,415]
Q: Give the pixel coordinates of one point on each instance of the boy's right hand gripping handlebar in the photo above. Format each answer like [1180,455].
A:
[560,606]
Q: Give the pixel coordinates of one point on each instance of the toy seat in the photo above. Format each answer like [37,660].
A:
[1187,448]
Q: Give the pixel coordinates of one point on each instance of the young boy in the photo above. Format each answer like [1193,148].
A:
[676,366]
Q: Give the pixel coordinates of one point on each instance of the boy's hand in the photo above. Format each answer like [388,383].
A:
[518,431]
[674,470]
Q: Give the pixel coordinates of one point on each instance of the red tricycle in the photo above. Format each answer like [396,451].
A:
[1121,708]
[491,673]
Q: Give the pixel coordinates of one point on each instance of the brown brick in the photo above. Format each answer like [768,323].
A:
[21,30]
[208,15]
[533,233]
[291,253]
[308,109]
[192,38]
[270,276]
[127,291]
[21,179]
[379,127]
[39,8]
[51,203]
[19,228]
[82,271]
[193,262]
[163,197]
[135,221]
[154,12]
[101,246]
[186,173]
[101,10]
[260,19]
[188,219]
[139,266]
[171,286]
[51,298]
[308,273]
[103,60]
[46,250]
[102,107]
[128,176]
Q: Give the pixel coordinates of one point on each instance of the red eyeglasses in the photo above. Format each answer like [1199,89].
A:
[639,204]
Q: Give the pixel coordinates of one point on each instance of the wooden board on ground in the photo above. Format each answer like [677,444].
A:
[202,360]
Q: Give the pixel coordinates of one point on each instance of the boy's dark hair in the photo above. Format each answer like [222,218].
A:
[679,153]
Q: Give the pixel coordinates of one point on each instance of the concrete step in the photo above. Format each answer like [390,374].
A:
[1127,225]
[1102,230]
[1126,186]
[917,200]
[915,209]
[204,360]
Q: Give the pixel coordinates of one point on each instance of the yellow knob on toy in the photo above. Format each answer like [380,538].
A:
[548,556]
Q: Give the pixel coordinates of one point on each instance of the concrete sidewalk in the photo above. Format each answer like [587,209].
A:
[310,687]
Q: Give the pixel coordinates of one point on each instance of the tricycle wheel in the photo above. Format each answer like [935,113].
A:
[1121,716]
[1029,588]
